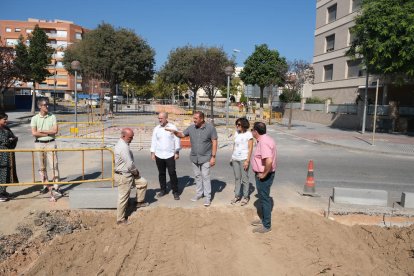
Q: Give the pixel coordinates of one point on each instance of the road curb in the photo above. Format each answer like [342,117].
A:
[362,149]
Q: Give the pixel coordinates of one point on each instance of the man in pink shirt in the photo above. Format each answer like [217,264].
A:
[263,163]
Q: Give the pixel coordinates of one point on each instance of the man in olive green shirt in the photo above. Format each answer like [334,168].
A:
[44,128]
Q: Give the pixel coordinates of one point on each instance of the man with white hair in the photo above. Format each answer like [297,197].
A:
[165,149]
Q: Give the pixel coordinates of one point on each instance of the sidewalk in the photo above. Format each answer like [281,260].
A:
[389,143]
[18,117]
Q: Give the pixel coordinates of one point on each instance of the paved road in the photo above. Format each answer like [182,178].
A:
[335,166]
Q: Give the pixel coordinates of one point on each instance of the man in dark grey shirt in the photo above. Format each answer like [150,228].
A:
[203,137]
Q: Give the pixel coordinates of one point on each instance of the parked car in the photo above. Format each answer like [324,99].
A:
[93,103]
[117,98]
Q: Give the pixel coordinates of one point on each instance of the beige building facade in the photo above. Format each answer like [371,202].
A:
[61,34]
[336,75]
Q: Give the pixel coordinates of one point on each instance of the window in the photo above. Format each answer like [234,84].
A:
[8,30]
[29,31]
[351,37]
[17,30]
[11,41]
[332,13]
[61,33]
[328,72]
[62,44]
[330,43]
[355,5]
[78,36]
[354,69]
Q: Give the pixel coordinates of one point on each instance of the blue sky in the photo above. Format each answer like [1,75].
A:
[284,25]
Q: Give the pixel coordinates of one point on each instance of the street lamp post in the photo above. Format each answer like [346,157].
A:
[54,86]
[127,93]
[75,65]
[229,71]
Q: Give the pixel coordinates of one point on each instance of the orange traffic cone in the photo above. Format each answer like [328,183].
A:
[309,188]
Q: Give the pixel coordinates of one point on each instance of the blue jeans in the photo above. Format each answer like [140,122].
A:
[265,204]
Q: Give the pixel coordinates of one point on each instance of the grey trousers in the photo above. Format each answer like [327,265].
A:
[241,176]
[202,179]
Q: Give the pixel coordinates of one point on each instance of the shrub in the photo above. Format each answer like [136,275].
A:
[315,100]
[288,96]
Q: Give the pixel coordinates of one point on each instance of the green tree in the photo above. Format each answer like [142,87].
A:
[264,67]
[234,87]
[182,66]
[8,71]
[300,72]
[384,37]
[32,60]
[115,55]
[211,70]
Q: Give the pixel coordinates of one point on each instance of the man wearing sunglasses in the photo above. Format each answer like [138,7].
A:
[44,128]
[263,164]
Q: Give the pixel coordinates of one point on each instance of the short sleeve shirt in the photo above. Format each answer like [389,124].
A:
[241,145]
[201,142]
[265,148]
[44,123]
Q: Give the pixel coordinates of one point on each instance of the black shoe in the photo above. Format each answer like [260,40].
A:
[176,196]
[44,190]
[161,194]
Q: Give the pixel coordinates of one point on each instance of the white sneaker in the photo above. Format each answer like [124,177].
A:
[56,193]
[196,198]
[207,202]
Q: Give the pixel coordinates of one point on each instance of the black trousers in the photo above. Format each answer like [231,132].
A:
[162,165]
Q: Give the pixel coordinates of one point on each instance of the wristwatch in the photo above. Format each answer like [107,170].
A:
[213,155]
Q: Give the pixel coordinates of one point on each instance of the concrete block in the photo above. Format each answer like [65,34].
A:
[95,198]
[360,196]
[407,200]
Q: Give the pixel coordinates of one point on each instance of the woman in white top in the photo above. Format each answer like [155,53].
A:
[240,160]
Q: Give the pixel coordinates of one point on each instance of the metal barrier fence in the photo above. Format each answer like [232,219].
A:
[81,130]
[83,180]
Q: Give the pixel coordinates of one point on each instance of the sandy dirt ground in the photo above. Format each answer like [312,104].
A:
[200,241]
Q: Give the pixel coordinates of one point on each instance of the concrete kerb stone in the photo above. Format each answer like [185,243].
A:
[407,200]
[95,198]
[360,196]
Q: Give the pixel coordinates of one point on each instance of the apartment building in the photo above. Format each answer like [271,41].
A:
[336,75]
[61,34]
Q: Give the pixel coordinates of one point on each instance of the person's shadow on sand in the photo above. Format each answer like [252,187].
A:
[258,206]
[217,186]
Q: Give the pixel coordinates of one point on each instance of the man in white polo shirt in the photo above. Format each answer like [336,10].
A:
[165,149]
[44,128]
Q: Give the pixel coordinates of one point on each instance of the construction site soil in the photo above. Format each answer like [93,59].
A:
[202,241]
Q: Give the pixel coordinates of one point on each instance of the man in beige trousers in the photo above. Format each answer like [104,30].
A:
[127,176]
[44,128]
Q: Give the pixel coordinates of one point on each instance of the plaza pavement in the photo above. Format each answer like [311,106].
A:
[394,144]
[388,143]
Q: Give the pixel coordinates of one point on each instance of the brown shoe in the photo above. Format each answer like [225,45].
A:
[261,230]
[123,222]
[142,204]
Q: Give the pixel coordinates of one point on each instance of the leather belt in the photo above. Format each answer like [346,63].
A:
[48,141]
